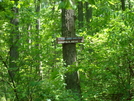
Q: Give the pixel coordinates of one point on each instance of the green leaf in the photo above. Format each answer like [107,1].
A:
[68,4]
[91,2]
[61,5]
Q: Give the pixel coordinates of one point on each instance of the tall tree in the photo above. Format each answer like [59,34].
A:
[14,54]
[69,51]
[80,14]
[38,7]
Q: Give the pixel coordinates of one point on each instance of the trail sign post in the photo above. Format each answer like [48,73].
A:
[63,40]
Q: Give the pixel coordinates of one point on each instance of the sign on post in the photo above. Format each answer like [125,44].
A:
[65,40]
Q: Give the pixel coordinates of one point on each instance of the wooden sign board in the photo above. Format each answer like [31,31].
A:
[63,40]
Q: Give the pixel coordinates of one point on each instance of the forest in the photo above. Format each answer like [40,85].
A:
[37,63]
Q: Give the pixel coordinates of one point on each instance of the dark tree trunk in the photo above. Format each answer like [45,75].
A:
[80,14]
[123,5]
[69,52]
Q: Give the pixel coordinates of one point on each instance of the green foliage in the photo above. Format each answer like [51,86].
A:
[67,4]
[108,55]
[105,59]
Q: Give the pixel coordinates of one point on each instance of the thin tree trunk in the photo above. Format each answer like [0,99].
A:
[38,67]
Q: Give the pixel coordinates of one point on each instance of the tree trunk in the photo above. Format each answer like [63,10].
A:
[69,52]
[38,67]
[80,14]
[14,54]
[14,37]
[123,5]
